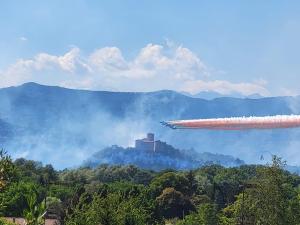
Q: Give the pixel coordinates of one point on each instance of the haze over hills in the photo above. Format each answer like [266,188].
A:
[210,95]
[64,127]
[149,153]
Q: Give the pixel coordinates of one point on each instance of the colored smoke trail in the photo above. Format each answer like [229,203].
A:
[237,123]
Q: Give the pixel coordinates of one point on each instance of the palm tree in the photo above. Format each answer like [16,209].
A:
[36,211]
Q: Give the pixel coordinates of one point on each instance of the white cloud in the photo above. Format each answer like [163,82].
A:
[108,59]
[70,62]
[23,39]
[155,67]
[288,92]
[224,87]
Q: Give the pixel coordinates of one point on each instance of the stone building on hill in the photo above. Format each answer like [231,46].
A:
[146,144]
[149,144]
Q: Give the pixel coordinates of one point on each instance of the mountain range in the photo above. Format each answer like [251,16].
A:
[65,126]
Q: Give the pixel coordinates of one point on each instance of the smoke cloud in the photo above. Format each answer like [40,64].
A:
[238,123]
[65,127]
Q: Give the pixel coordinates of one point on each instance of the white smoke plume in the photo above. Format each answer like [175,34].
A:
[238,123]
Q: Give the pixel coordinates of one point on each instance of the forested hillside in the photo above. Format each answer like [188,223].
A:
[118,195]
[170,158]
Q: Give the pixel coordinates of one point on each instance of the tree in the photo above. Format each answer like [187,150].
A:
[172,203]
[294,209]
[7,170]
[112,209]
[242,211]
[170,179]
[192,183]
[13,198]
[33,171]
[36,211]
[61,192]
[206,215]
[48,175]
[55,208]
[270,199]
[272,194]
[192,219]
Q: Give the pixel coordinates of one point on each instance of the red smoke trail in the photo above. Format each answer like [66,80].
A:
[237,123]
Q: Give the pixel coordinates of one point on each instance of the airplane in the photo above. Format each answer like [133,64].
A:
[168,125]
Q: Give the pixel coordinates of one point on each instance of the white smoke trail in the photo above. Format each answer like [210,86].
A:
[238,123]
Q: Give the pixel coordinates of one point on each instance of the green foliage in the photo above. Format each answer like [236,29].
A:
[106,174]
[109,210]
[13,199]
[172,203]
[32,171]
[7,170]
[273,193]
[170,179]
[118,195]
[206,215]
[5,222]
[192,182]
[36,210]
[109,174]
[269,199]
[192,219]
[62,192]
[55,207]
[242,211]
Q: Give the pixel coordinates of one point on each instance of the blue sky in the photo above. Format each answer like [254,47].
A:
[224,46]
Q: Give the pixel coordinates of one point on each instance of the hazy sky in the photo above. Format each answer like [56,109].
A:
[225,46]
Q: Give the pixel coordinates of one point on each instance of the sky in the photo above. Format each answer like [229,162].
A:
[229,47]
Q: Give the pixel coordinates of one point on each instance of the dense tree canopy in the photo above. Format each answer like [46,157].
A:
[7,170]
[129,195]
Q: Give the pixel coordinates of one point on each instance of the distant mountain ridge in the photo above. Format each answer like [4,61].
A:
[52,124]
